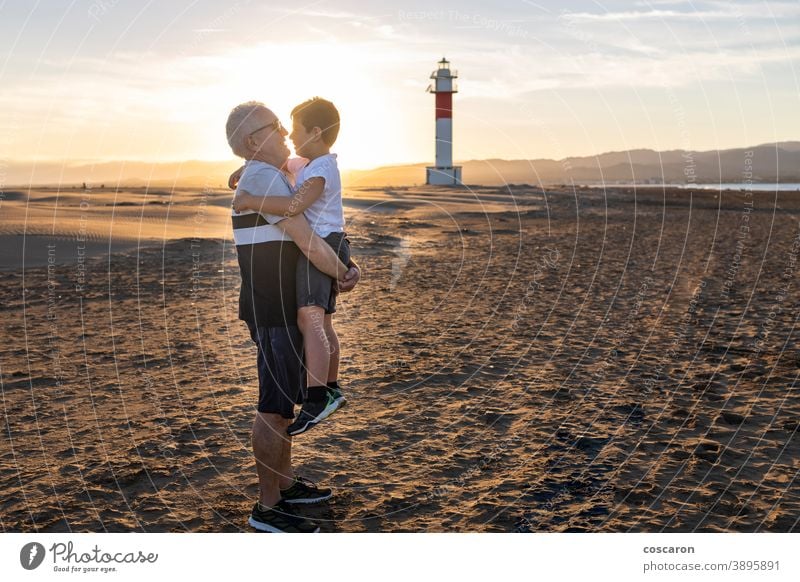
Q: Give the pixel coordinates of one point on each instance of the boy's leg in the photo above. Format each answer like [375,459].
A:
[311,321]
[315,290]
[338,241]
[319,403]
[334,390]
[333,349]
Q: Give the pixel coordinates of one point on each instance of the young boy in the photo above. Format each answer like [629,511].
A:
[315,126]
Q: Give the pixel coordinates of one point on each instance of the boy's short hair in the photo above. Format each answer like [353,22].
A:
[321,113]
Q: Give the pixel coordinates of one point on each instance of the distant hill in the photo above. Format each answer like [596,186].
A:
[192,173]
[769,163]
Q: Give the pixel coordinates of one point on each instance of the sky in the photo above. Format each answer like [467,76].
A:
[143,80]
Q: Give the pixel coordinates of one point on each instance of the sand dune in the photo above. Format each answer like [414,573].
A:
[516,360]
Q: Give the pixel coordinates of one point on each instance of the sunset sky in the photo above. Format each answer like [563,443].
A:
[154,81]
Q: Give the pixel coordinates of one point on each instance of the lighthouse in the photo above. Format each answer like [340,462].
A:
[444,173]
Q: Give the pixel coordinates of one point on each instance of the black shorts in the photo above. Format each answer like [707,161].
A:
[281,375]
[315,287]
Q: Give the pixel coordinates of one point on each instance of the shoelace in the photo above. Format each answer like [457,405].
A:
[307,482]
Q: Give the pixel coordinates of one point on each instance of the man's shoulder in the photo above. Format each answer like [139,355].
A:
[255,168]
[260,175]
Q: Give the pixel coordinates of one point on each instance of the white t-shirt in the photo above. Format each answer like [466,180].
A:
[260,179]
[326,215]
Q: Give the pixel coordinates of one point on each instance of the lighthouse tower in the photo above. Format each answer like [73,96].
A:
[444,173]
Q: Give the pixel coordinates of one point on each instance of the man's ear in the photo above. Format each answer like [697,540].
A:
[317,133]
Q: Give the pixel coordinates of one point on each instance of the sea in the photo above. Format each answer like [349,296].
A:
[754,187]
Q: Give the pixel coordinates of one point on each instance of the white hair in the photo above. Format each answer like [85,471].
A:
[240,122]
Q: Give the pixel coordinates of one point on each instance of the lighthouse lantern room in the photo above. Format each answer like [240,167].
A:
[444,173]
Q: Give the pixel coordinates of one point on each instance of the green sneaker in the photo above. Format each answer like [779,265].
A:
[313,412]
[337,396]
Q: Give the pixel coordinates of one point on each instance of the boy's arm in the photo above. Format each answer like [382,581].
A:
[351,278]
[308,193]
[243,200]
[312,246]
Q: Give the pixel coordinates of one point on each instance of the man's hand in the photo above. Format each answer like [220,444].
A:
[351,278]
[234,178]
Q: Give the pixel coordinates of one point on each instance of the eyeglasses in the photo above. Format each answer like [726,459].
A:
[275,125]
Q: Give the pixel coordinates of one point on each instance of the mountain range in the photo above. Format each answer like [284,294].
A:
[776,162]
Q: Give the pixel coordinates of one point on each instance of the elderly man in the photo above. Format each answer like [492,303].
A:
[268,248]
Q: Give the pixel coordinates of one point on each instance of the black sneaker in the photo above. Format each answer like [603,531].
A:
[280,519]
[314,412]
[304,491]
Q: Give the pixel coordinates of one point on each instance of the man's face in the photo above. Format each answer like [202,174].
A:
[269,138]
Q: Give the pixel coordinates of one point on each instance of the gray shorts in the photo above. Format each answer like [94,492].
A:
[315,287]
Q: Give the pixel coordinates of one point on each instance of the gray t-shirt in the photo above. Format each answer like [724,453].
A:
[260,179]
[267,257]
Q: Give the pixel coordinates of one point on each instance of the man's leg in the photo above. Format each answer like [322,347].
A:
[287,471]
[280,379]
[272,450]
[311,321]
[333,349]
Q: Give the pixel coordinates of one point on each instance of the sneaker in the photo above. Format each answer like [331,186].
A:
[304,491]
[337,396]
[314,412]
[280,519]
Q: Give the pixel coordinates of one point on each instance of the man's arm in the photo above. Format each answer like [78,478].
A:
[306,195]
[312,246]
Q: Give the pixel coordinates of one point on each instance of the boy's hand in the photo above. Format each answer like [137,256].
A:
[234,178]
[352,277]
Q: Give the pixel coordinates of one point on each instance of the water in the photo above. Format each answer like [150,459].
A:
[755,187]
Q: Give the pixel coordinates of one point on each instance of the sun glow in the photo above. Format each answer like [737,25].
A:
[175,109]
[284,75]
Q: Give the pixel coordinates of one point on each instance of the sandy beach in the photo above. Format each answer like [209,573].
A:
[568,360]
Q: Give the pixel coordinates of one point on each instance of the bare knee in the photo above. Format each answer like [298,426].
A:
[310,318]
[270,425]
[330,333]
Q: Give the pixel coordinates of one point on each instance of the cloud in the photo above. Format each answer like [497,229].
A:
[329,14]
[716,11]
[649,15]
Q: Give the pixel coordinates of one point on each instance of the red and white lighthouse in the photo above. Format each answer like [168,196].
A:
[444,173]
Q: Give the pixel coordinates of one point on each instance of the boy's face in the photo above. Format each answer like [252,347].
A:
[303,139]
